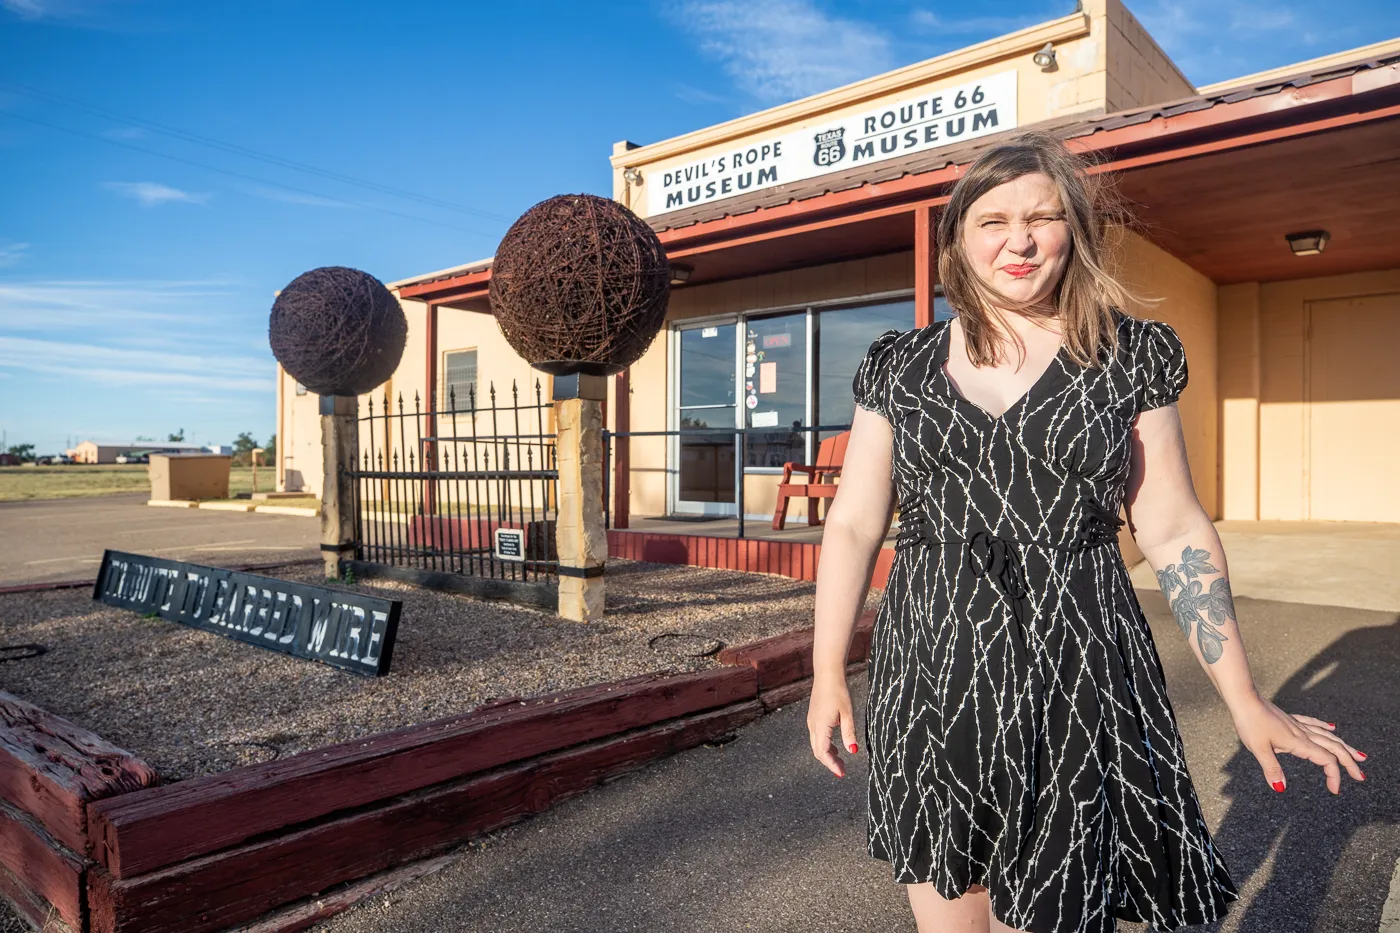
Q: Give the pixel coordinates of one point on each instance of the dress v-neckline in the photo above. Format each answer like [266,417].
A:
[940,359]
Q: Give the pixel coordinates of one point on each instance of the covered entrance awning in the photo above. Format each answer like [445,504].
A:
[1215,180]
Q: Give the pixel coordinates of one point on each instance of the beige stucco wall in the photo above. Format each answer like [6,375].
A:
[1187,301]
[1240,367]
[1264,429]
[299,439]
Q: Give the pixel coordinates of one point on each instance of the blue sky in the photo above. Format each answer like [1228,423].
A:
[168,165]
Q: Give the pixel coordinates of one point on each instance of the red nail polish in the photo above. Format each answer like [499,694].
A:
[853,747]
[1278,786]
[1363,775]
[1361,755]
[1332,724]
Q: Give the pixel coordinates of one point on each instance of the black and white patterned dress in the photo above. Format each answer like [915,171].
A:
[1018,726]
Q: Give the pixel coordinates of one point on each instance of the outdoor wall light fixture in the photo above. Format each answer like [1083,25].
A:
[680,273]
[1045,58]
[632,175]
[1308,243]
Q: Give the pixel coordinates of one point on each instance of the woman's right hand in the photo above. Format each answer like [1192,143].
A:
[830,709]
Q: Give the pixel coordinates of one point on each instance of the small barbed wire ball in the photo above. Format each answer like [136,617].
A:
[337,331]
[580,284]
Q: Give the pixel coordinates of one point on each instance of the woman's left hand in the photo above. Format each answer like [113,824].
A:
[1265,729]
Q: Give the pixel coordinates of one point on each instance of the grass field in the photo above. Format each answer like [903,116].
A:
[80,480]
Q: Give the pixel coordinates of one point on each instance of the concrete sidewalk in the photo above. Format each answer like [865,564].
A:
[1353,564]
[756,835]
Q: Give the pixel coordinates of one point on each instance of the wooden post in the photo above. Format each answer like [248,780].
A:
[925,264]
[429,451]
[622,450]
[340,440]
[581,538]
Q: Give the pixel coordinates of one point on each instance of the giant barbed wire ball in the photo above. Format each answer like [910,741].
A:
[580,284]
[337,331]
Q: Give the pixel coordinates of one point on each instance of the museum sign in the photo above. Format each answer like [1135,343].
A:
[917,123]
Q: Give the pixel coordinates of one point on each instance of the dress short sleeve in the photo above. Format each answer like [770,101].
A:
[1163,362]
[871,383]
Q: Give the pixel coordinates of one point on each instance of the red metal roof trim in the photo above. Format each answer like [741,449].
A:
[1071,127]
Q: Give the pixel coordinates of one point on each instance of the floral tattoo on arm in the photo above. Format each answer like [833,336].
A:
[1189,602]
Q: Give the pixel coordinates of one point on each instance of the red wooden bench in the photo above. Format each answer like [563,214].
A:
[830,454]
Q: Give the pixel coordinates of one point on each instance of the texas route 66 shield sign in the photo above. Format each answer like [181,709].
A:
[831,148]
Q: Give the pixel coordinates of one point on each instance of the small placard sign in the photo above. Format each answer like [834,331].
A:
[347,630]
[510,543]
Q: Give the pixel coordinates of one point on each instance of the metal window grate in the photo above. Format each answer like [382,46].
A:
[458,378]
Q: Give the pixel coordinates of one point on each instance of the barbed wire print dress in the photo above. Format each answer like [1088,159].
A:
[1018,726]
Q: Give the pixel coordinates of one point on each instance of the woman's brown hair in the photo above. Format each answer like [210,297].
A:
[1087,297]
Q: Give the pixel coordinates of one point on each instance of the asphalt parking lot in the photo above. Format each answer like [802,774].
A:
[63,539]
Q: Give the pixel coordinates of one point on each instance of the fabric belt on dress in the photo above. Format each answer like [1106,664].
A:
[990,555]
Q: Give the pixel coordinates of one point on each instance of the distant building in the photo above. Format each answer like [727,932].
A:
[109,451]
[225,449]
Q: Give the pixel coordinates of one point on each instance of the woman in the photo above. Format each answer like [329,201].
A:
[1026,772]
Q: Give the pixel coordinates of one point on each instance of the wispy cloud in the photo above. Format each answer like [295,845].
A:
[95,307]
[784,49]
[109,15]
[12,253]
[1210,40]
[129,333]
[151,193]
[125,133]
[24,9]
[292,197]
[987,26]
[1256,20]
[695,95]
[123,366]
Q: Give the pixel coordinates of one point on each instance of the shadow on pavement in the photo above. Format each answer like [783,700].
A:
[1330,872]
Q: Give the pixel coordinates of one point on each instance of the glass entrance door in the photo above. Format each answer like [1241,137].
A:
[707,373]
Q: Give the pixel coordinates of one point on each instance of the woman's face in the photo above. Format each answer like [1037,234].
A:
[1017,239]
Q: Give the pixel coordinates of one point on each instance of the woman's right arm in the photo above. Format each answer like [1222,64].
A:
[855,529]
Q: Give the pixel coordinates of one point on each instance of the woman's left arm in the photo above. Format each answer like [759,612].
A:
[1182,546]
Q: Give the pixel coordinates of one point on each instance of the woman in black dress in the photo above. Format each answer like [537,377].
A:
[1026,772]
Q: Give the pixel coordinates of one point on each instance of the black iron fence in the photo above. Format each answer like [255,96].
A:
[433,484]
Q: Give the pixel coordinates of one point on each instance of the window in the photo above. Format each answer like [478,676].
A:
[844,334]
[775,388]
[459,381]
[787,369]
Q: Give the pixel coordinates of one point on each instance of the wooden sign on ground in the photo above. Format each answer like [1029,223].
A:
[347,630]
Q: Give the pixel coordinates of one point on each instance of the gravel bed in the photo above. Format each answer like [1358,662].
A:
[191,702]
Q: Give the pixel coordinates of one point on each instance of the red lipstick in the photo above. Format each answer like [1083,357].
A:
[1019,271]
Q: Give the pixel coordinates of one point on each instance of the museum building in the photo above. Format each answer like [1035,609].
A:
[800,233]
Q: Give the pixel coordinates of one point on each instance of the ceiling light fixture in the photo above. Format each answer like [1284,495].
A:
[1308,243]
[1045,58]
[680,273]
